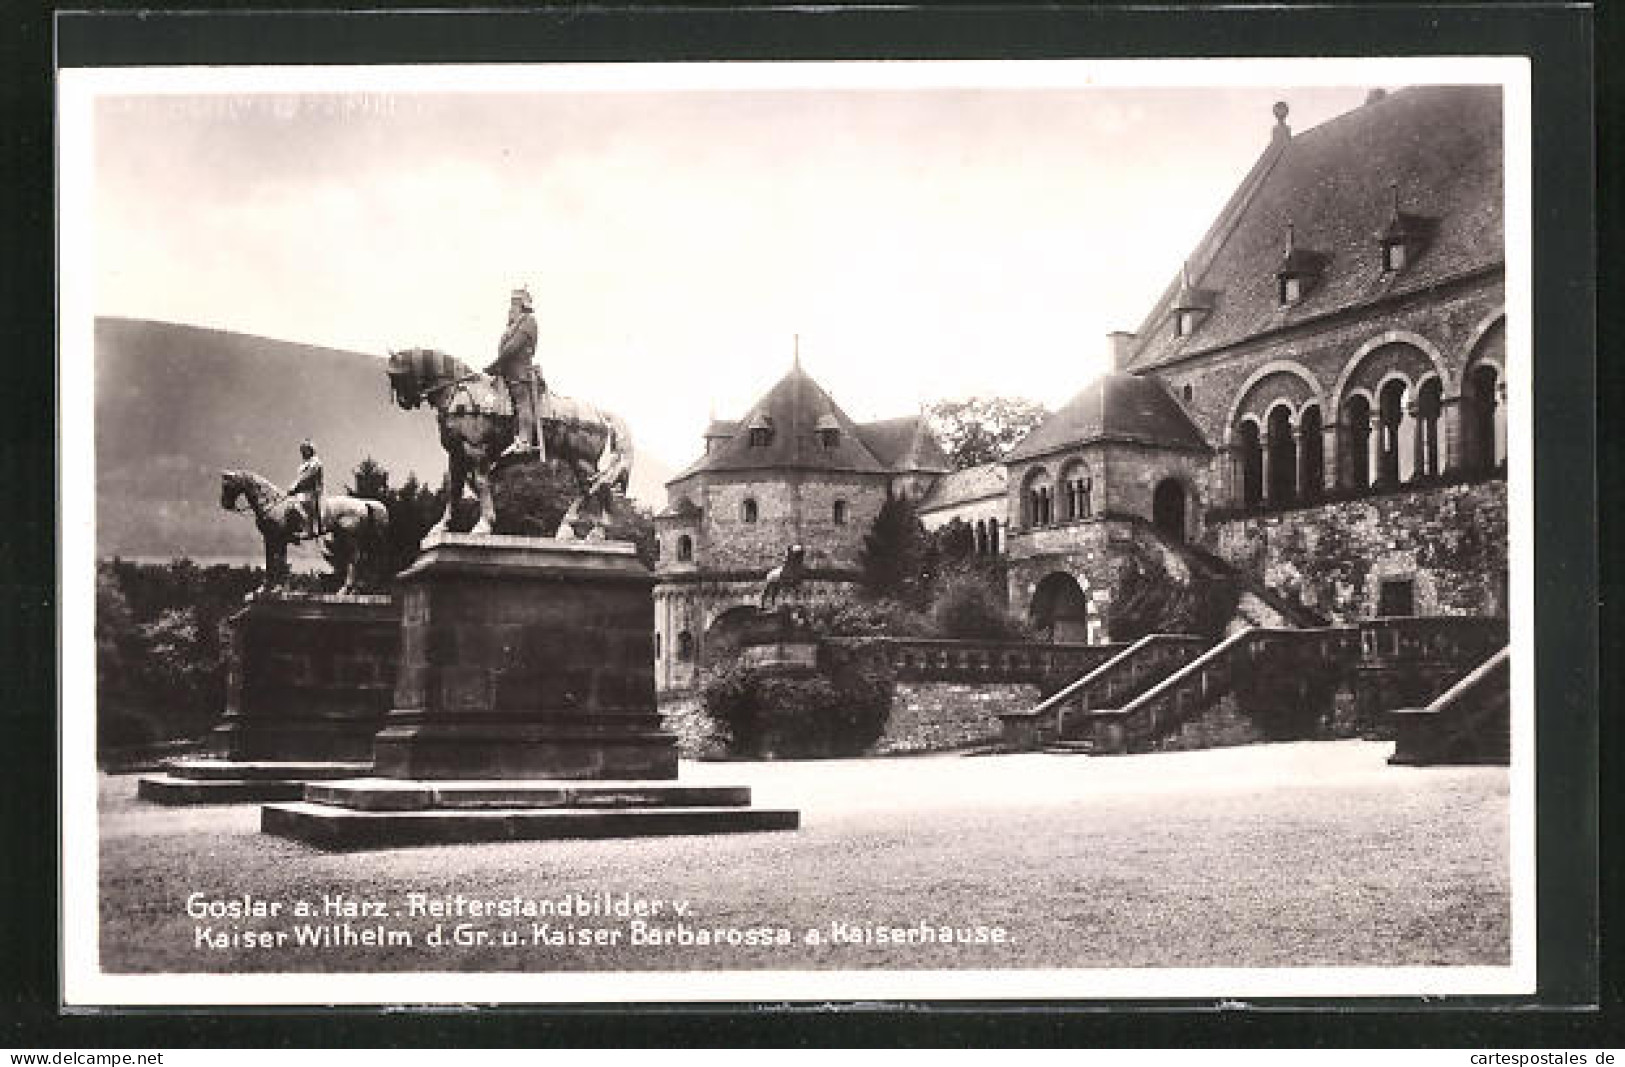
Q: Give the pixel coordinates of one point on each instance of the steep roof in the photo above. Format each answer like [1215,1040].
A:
[1114,407]
[1438,147]
[792,409]
[972,483]
[905,444]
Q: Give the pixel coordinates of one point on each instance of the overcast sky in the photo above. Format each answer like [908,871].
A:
[924,244]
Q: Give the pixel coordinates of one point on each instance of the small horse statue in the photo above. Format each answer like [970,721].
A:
[477,421]
[357,527]
[784,578]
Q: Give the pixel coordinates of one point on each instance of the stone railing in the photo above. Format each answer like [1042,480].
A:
[1278,670]
[935,660]
[1455,640]
[1467,723]
[1110,685]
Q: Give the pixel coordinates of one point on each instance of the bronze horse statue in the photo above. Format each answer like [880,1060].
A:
[357,527]
[476,418]
[784,578]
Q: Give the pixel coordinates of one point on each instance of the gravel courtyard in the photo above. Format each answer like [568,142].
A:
[1263,856]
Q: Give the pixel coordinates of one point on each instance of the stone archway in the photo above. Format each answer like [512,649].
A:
[1168,508]
[1060,610]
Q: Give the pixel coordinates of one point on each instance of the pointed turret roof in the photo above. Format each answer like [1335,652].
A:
[906,445]
[790,414]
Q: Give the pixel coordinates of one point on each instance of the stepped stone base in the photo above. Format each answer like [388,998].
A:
[390,813]
[210,781]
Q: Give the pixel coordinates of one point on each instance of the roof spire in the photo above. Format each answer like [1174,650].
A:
[1290,237]
[1393,187]
[1282,131]
[797,357]
[1185,274]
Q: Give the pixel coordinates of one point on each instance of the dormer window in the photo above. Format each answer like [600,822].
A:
[1401,239]
[1191,305]
[1393,256]
[829,432]
[761,430]
[1298,271]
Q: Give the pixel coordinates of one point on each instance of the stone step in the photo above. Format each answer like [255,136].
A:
[386,794]
[1070,748]
[340,829]
[205,769]
[169,789]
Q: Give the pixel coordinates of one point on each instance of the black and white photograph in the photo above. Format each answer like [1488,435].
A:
[814,531]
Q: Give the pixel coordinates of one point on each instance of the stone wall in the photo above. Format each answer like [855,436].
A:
[1449,540]
[943,716]
[791,508]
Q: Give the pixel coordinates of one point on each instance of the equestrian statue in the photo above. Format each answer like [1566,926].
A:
[355,529]
[480,425]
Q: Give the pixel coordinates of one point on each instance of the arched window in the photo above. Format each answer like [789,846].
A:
[1429,402]
[840,513]
[1390,412]
[1281,460]
[657,644]
[1037,499]
[657,549]
[1354,442]
[1311,454]
[993,537]
[1076,486]
[1483,419]
[748,510]
[685,548]
[685,646]
[980,533]
[1249,460]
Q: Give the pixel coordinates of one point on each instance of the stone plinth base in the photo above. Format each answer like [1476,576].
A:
[525,658]
[390,813]
[214,781]
[309,678]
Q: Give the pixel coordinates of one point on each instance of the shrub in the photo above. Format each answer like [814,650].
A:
[968,606]
[869,618]
[841,713]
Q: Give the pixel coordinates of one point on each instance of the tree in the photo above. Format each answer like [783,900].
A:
[980,429]
[896,554]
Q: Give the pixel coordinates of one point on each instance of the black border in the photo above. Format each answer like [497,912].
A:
[1560,42]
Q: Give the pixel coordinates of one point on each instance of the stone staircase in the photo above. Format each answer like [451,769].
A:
[1468,723]
[1060,723]
[1285,678]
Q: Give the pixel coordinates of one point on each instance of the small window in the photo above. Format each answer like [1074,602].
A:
[1185,323]
[840,513]
[761,437]
[685,548]
[657,550]
[1396,597]
[1187,392]
[1393,256]
[748,510]
[830,438]
[657,644]
[685,646]
[1291,289]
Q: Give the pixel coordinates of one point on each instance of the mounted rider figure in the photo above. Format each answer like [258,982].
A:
[307,491]
[524,378]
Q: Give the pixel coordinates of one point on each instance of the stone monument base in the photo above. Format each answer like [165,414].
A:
[218,781]
[373,813]
[309,680]
[524,710]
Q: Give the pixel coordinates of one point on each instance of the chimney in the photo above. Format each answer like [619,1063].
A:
[1122,347]
[1376,94]
[1282,131]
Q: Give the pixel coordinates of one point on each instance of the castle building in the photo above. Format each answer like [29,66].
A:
[1317,399]
[794,470]
[1315,408]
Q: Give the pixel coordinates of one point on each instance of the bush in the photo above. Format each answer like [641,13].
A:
[869,618]
[806,717]
[968,606]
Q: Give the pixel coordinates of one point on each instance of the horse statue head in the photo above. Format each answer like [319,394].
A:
[233,484]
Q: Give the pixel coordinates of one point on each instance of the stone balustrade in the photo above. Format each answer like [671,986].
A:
[1452,639]
[1467,723]
[994,662]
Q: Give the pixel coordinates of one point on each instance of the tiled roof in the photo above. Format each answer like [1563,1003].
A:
[905,444]
[792,409]
[972,483]
[1115,407]
[1438,147]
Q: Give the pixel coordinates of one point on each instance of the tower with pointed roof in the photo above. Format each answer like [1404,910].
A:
[793,469]
[1317,401]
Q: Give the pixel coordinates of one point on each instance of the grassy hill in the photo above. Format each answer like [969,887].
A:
[176,404]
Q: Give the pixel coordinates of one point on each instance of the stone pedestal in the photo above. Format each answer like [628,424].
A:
[526,669]
[525,658]
[309,680]
[779,642]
